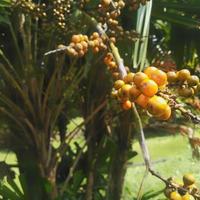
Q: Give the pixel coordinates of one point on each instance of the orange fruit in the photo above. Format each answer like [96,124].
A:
[172,77]
[150,70]
[158,76]
[106,2]
[129,77]
[134,92]
[175,196]
[148,87]
[156,105]
[166,114]
[76,38]
[139,77]
[116,75]
[126,105]
[142,100]
[183,74]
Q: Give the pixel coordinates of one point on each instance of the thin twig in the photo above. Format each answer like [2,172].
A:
[139,194]
[175,185]
[180,107]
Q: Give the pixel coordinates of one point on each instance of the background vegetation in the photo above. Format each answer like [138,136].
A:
[62,136]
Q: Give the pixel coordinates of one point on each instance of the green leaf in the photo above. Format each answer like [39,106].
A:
[8,193]
[15,187]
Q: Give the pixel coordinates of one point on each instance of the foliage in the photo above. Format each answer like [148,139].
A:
[42,91]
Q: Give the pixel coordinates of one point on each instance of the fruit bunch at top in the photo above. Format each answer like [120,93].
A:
[185,189]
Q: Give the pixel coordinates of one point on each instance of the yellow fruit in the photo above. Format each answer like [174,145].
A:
[125,90]
[106,2]
[166,115]
[118,84]
[156,105]
[186,197]
[183,74]
[150,70]
[172,77]
[188,179]
[129,77]
[148,87]
[175,196]
[193,80]
[139,77]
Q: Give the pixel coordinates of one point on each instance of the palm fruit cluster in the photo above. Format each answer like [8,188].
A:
[186,84]
[61,10]
[97,42]
[108,13]
[29,7]
[78,46]
[184,190]
[142,88]
[112,66]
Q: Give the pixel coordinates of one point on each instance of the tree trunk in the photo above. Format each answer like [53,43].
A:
[120,158]
[118,171]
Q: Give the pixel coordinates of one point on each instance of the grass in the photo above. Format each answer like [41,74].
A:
[175,156]
[171,156]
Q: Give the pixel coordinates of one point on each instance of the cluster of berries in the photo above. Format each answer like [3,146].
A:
[188,184]
[61,8]
[109,11]
[141,88]
[188,84]
[27,6]
[97,43]
[78,46]
[112,66]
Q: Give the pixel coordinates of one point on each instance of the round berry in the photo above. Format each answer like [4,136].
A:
[139,77]
[172,77]
[183,74]
[156,105]
[148,87]
[188,179]
[142,100]
[126,105]
[193,80]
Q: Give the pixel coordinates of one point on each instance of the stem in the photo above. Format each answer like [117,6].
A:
[142,141]
[16,44]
